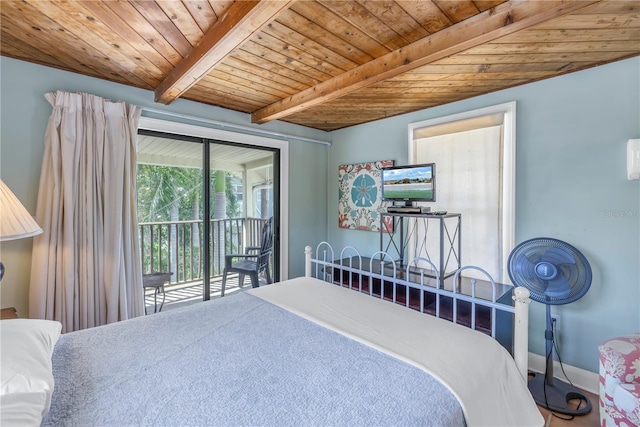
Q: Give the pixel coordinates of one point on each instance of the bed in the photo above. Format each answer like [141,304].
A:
[299,352]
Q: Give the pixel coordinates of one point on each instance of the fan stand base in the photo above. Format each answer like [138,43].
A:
[558,395]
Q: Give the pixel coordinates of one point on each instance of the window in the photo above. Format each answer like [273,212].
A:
[474,154]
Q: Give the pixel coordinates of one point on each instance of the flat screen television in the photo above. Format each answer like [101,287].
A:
[409,183]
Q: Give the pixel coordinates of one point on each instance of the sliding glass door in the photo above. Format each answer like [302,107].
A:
[183,180]
[243,185]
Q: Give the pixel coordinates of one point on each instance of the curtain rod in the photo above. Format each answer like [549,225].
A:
[233,126]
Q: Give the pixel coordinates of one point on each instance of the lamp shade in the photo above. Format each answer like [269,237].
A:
[15,221]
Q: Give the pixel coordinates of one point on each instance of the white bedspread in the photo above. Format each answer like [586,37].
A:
[478,370]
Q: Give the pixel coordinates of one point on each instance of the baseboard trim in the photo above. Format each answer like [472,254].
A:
[581,378]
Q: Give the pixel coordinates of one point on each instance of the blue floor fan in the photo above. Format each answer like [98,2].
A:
[555,273]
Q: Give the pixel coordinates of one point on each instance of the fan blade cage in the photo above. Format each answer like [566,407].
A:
[554,271]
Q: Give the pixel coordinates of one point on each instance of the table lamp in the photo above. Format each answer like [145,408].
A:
[15,221]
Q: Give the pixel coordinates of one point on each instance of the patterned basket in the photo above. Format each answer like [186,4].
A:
[620,382]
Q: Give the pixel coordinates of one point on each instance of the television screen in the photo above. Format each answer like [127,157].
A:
[409,183]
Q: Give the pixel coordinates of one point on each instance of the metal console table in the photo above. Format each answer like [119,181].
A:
[450,246]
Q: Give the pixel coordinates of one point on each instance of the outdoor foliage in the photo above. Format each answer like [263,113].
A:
[167,193]
[171,194]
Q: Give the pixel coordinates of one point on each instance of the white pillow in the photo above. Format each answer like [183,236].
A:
[26,376]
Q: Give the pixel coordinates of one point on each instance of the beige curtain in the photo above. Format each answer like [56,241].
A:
[86,267]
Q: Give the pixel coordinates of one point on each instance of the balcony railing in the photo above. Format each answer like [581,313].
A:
[177,246]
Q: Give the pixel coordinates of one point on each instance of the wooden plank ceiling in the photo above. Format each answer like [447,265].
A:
[322,64]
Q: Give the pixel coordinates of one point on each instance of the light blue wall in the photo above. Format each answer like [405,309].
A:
[571,185]
[24,113]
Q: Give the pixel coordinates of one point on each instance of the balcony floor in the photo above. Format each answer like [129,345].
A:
[181,294]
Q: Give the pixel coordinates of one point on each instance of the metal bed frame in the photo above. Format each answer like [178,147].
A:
[389,275]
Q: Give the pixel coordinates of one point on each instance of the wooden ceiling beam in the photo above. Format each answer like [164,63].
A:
[241,22]
[506,18]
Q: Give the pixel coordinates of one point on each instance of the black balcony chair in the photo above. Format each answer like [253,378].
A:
[254,262]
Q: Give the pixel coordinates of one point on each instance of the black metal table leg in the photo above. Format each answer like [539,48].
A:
[154,299]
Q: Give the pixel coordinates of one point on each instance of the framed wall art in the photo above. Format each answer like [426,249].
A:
[360,196]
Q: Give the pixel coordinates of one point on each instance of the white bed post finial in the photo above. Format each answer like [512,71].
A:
[307,261]
[521,330]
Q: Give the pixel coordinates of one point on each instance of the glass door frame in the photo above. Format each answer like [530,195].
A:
[281,182]
[276,274]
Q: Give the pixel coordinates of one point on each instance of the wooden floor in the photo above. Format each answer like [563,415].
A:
[592,419]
